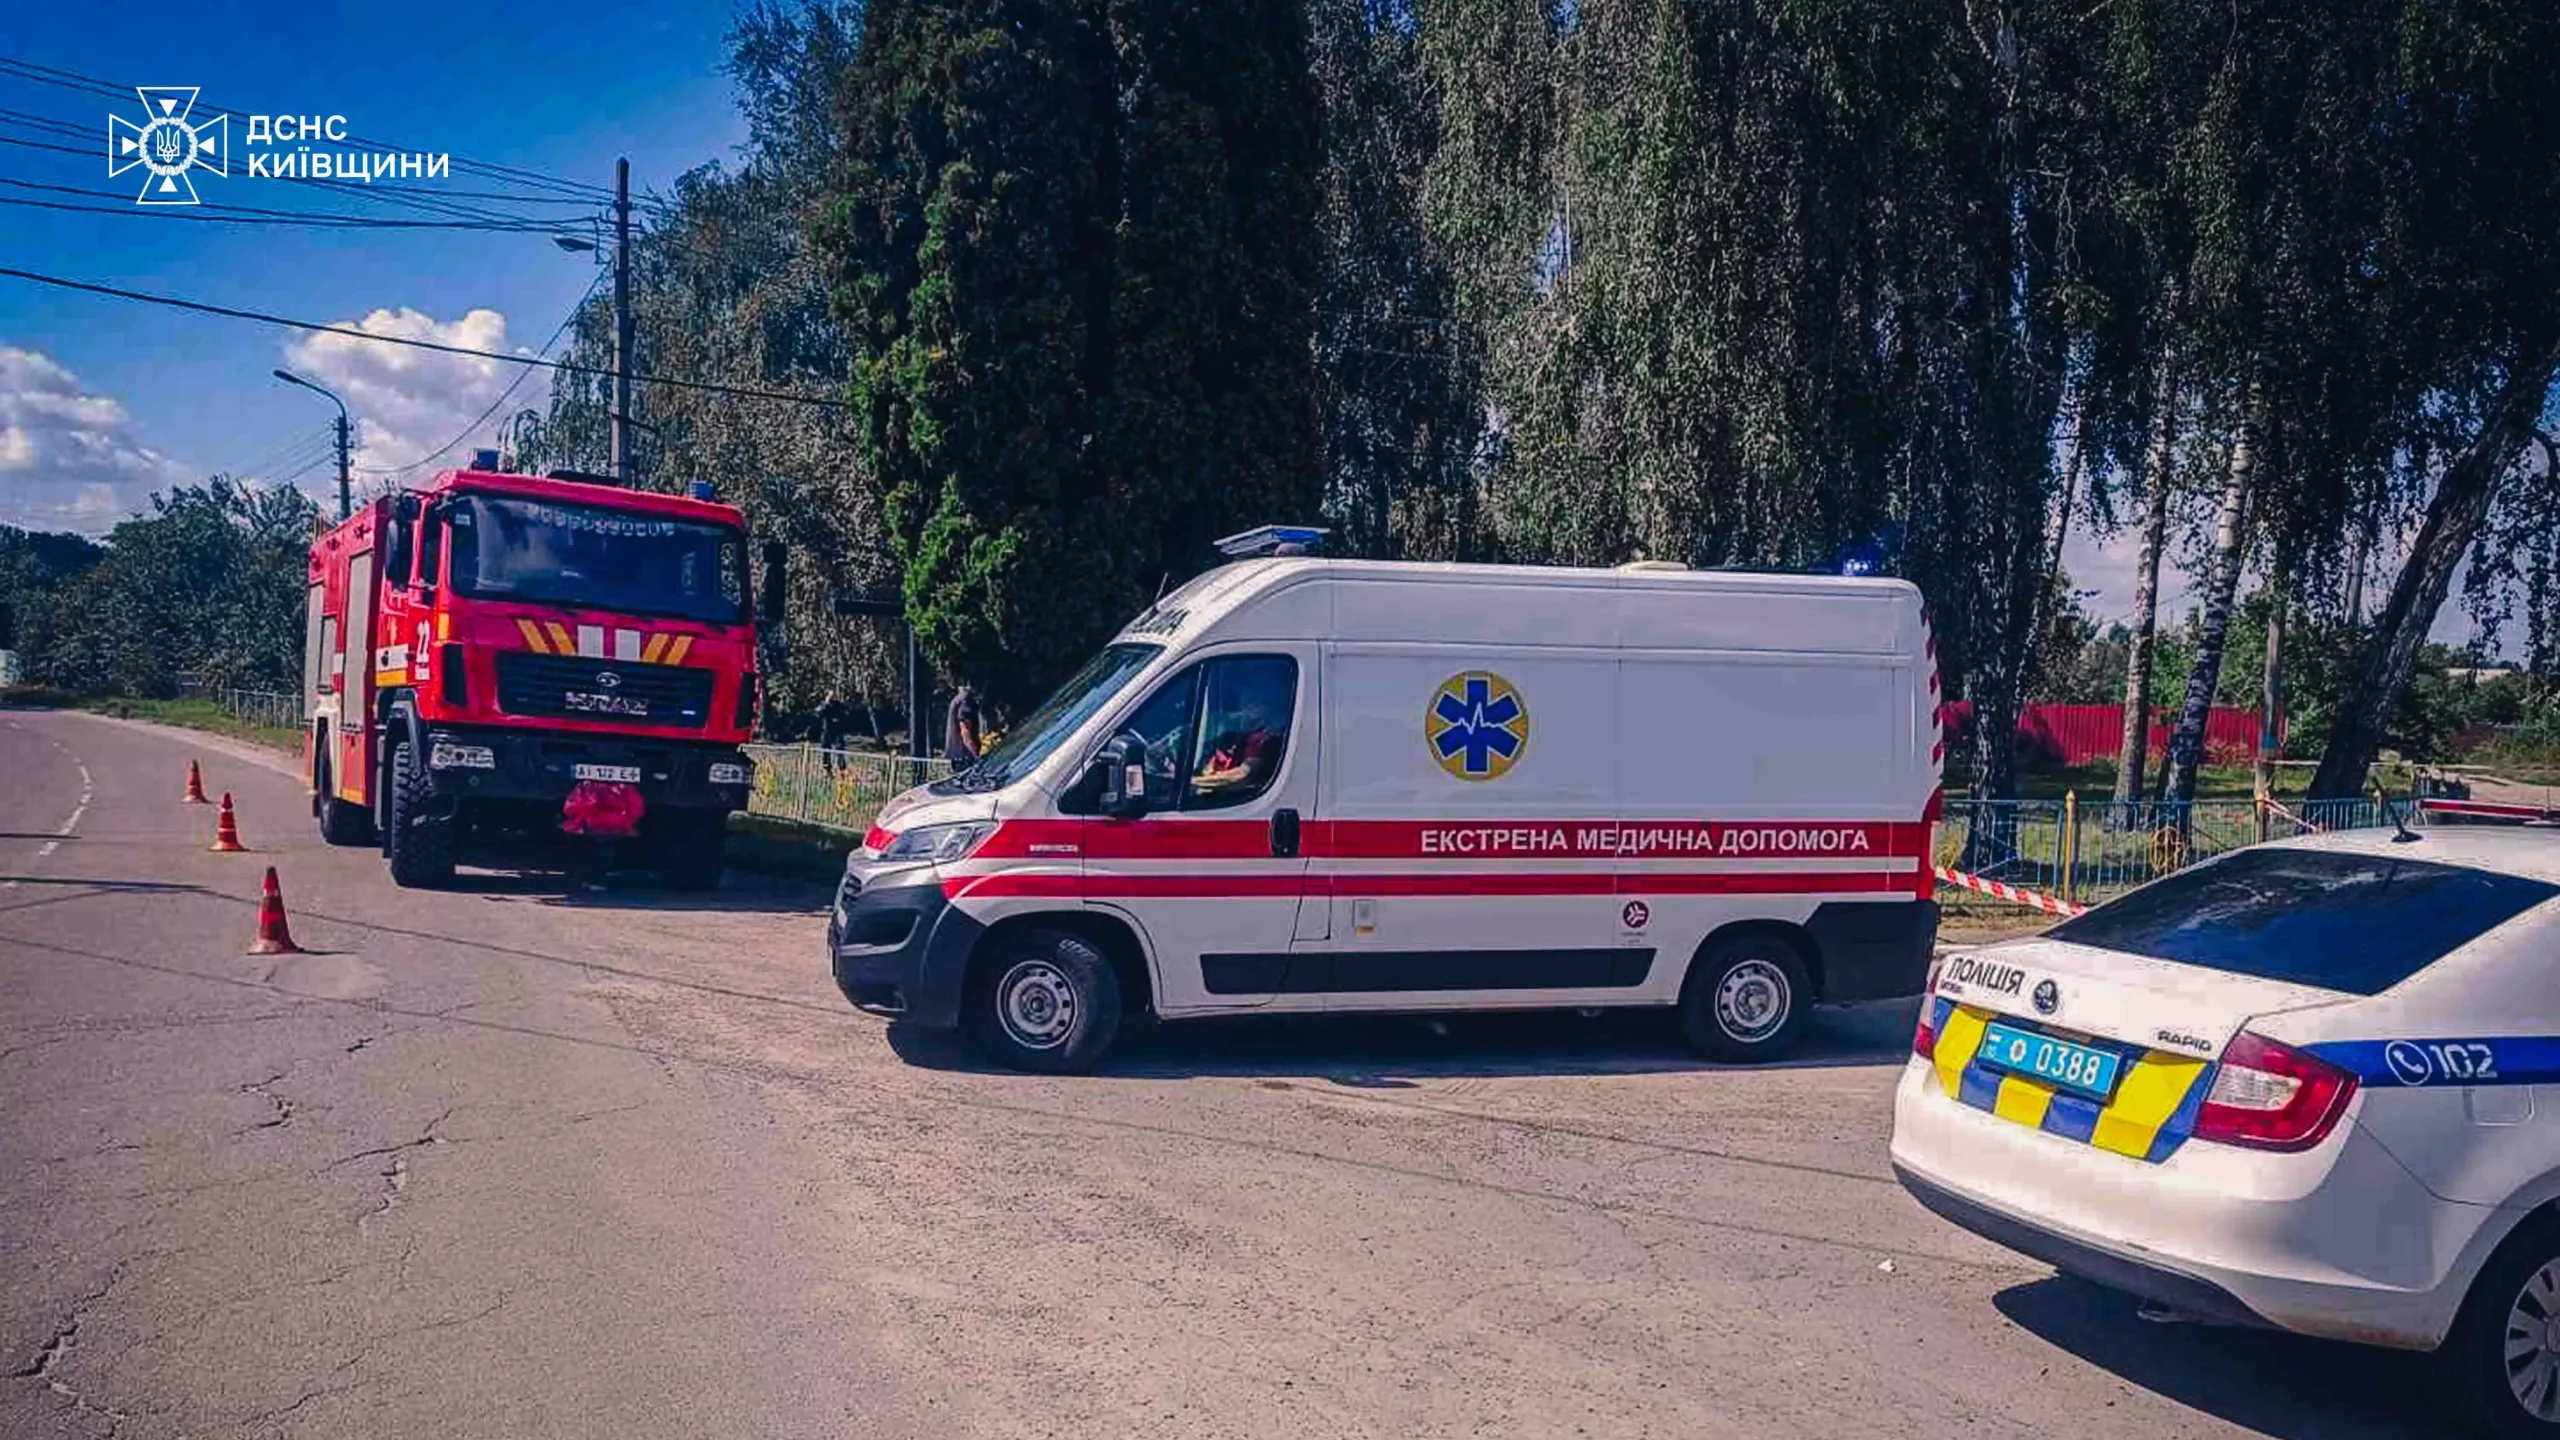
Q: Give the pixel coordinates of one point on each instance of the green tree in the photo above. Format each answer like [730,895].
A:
[34,566]
[1075,254]
[209,586]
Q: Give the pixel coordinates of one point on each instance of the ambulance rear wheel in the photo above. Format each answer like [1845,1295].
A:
[1746,999]
[1043,1000]
[419,841]
[2501,1364]
[340,822]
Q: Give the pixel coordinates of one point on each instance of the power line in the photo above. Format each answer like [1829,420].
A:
[706,386]
[561,329]
[291,451]
[252,215]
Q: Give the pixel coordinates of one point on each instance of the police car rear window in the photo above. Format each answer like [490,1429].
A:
[2357,923]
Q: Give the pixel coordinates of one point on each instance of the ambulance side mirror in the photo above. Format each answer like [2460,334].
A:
[1122,768]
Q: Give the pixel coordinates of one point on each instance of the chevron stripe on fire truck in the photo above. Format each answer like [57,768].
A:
[550,637]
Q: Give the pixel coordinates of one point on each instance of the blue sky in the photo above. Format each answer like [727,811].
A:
[105,398]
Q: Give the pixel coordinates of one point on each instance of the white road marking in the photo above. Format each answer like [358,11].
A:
[88,792]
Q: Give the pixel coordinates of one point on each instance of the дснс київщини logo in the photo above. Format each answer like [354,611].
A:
[167,146]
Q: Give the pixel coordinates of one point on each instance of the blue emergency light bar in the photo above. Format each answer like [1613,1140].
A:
[1274,540]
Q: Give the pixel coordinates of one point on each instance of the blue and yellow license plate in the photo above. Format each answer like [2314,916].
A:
[2081,1069]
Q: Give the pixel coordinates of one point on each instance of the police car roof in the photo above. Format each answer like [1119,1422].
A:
[2526,851]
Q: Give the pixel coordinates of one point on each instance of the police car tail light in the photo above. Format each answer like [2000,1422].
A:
[2270,1096]
[1924,1037]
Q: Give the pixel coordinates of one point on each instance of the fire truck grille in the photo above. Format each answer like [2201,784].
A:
[623,692]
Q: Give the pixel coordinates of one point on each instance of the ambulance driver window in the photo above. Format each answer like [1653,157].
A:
[1246,704]
[1164,722]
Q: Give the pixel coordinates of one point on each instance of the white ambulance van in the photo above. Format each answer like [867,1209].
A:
[1300,784]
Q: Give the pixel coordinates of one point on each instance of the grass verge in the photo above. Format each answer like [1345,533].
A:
[198,715]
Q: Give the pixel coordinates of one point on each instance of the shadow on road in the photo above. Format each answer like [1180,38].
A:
[2285,1386]
[739,893]
[1395,1052]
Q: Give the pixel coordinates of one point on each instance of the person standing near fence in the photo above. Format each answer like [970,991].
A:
[960,733]
[833,717]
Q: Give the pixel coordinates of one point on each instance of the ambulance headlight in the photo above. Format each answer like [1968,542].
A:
[449,756]
[941,844]
[725,773]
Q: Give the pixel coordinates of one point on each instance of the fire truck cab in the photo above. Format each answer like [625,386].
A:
[497,659]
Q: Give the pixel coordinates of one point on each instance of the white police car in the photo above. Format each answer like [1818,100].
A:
[2314,1085]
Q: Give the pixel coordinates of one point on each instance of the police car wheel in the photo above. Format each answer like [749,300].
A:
[1746,999]
[1044,1000]
[2502,1361]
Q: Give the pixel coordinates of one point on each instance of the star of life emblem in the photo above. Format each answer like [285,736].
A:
[167,146]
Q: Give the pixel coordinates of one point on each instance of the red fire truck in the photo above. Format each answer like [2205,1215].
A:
[499,659]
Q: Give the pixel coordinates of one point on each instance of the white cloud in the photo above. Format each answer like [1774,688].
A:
[69,458]
[407,402]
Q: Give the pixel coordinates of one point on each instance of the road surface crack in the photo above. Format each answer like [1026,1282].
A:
[64,1336]
[42,1365]
[281,1108]
[317,1392]
[395,1175]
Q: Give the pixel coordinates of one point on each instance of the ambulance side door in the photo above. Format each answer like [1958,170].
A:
[1471,804]
[1212,874]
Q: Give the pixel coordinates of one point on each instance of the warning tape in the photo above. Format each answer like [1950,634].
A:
[2033,900]
[2278,806]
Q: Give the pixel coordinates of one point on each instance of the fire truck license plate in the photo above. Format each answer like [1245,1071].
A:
[622,774]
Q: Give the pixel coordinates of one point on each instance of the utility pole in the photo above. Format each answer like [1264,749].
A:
[344,432]
[622,321]
[346,493]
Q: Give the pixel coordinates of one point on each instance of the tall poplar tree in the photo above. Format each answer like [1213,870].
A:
[1075,249]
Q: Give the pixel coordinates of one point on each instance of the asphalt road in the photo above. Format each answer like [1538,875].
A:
[517,1162]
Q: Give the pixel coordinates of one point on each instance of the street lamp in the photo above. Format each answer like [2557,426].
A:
[573,244]
[346,498]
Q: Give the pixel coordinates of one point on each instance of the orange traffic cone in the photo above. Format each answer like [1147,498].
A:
[273,937]
[195,785]
[226,827]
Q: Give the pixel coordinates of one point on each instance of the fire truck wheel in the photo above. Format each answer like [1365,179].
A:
[693,848]
[1746,999]
[1043,1000]
[340,822]
[421,842]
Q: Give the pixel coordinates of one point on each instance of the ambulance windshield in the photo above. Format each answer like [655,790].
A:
[619,560]
[1045,729]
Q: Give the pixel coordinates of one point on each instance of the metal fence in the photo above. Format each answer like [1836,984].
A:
[839,788]
[258,707]
[2098,850]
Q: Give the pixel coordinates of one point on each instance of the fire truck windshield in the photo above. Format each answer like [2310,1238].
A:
[507,548]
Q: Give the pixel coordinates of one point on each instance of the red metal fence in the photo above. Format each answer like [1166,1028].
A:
[2078,734]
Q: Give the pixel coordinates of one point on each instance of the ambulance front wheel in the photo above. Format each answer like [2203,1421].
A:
[1043,1000]
[1746,999]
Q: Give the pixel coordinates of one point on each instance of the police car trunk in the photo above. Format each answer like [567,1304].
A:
[2176,1084]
